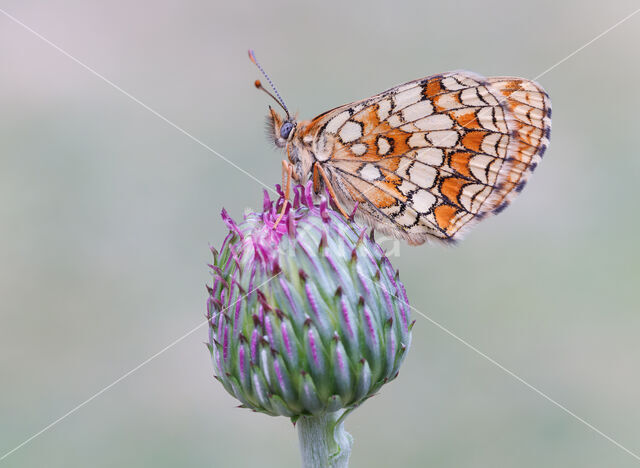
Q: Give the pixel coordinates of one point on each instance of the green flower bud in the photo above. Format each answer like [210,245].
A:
[306,317]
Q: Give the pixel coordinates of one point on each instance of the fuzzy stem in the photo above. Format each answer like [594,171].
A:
[323,441]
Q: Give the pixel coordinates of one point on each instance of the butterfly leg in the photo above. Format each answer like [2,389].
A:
[287,171]
[317,169]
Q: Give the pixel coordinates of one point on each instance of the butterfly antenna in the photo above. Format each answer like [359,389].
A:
[258,85]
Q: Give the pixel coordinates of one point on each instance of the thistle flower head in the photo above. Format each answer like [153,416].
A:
[306,316]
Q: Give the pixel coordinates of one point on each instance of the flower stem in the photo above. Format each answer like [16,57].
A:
[323,441]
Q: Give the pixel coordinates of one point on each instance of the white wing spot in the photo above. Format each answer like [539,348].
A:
[417,111]
[435,122]
[501,121]
[443,138]
[359,149]
[335,123]
[451,84]
[406,187]
[406,98]
[351,131]
[321,147]
[448,102]
[403,168]
[468,192]
[409,128]
[392,210]
[422,201]
[430,156]
[370,172]
[465,80]
[407,218]
[394,121]
[383,146]
[478,166]
[489,142]
[485,119]
[384,109]
[416,140]
[422,175]
[487,96]
[469,97]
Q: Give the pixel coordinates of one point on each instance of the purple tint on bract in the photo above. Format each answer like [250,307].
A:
[255,338]
[313,301]
[345,315]
[278,371]
[269,328]
[387,301]
[369,328]
[241,363]
[312,345]
[336,270]
[221,327]
[286,339]
[287,293]
[339,361]
[236,316]
[364,284]
[225,345]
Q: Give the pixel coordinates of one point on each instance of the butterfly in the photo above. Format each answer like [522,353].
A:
[424,160]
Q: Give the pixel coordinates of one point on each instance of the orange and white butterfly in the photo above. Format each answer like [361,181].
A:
[424,160]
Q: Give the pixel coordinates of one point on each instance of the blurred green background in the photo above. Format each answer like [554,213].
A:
[106,214]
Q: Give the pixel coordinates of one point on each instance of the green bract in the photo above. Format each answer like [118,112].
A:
[306,318]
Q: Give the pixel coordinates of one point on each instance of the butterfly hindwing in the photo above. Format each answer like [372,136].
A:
[431,157]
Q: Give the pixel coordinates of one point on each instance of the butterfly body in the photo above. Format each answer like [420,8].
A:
[427,159]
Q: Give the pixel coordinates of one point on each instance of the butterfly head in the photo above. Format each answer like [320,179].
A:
[285,133]
[280,129]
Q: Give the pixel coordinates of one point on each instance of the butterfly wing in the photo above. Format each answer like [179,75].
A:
[430,158]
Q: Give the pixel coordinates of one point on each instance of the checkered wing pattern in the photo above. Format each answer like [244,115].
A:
[428,159]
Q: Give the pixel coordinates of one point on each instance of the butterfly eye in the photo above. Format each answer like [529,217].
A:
[285,130]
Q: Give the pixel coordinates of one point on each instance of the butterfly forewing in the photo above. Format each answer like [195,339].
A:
[429,158]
